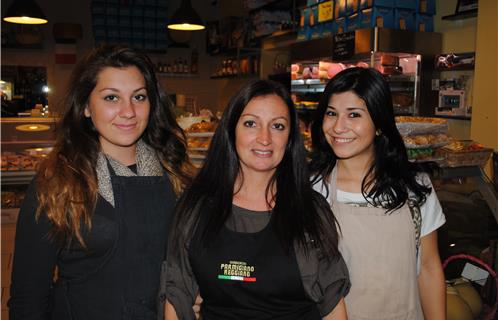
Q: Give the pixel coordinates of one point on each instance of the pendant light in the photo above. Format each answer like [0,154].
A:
[185,18]
[25,12]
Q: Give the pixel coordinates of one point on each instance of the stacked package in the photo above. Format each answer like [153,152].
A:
[321,18]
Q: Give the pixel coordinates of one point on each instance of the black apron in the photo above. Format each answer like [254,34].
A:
[249,276]
[125,284]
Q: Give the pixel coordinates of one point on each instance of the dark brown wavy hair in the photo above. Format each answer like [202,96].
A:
[67,181]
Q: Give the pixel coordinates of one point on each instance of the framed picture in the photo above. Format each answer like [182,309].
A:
[466,5]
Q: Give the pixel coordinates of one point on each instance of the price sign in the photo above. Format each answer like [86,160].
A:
[343,46]
[325,11]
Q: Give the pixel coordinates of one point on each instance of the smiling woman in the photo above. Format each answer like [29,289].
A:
[252,211]
[119,109]
[101,205]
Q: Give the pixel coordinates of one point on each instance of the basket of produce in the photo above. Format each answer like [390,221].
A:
[463,153]
[462,296]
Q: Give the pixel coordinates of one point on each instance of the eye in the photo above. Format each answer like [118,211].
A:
[330,113]
[278,126]
[111,97]
[354,115]
[140,97]
[249,123]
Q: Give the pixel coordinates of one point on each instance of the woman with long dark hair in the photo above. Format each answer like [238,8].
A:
[387,209]
[251,235]
[100,207]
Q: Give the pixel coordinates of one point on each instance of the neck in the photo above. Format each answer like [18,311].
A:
[250,192]
[350,174]
[125,156]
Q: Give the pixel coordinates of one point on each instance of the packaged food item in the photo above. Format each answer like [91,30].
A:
[463,153]
[408,125]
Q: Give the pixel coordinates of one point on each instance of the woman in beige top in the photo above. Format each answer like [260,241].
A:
[387,210]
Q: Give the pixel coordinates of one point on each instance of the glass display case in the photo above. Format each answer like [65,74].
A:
[25,142]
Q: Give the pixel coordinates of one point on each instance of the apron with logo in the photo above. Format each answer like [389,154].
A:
[249,276]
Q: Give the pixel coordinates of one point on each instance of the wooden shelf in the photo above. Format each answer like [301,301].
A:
[461,16]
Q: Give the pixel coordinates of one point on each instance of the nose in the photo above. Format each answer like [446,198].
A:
[264,136]
[127,110]
[340,125]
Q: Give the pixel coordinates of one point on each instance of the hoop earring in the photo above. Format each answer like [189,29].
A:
[378,132]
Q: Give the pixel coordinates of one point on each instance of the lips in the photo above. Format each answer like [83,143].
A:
[262,153]
[126,127]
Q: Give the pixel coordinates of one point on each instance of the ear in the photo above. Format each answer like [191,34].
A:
[87,112]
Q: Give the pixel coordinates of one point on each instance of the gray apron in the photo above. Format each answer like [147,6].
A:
[380,252]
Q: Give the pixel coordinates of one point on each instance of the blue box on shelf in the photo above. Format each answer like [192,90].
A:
[353,22]
[99,31]
[149,34]
[124,22]
[340,8]
[376,3]
[150,23]
[111,9]
[327,28]
[149,12]
[113,33]
[112,21]
[98,8]
[424,22]
[125,33]
[426,6]
[124,11]
[316,31]
[304,31]
[137,11]
[137,23]
[406,4]
[98,20]
[404,19]
[341,25]
[377,17]
[352,7]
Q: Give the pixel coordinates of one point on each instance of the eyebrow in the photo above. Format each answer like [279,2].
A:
[350,108]
[117,90]
[255,116]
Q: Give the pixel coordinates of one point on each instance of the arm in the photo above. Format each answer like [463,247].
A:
[180,284]
[339,312]
[169,311]
[431,283]
[33,266]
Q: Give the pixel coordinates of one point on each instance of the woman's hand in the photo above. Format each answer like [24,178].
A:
[197,306]
[339,312]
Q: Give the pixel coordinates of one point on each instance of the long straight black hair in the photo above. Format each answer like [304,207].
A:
[391,176]
[299,211]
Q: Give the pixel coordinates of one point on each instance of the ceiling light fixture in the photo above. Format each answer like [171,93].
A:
[185,18]
[25,12]
[32,127]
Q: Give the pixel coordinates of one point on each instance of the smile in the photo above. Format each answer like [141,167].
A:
[342,140]
[263,153]
[125,126]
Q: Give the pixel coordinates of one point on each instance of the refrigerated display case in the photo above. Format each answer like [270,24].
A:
[406,58]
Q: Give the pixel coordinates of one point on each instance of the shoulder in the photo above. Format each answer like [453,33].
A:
[431,210]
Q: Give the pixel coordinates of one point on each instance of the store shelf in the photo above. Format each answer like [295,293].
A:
[177,75]
[17,177]
[306,86]
[461,16]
